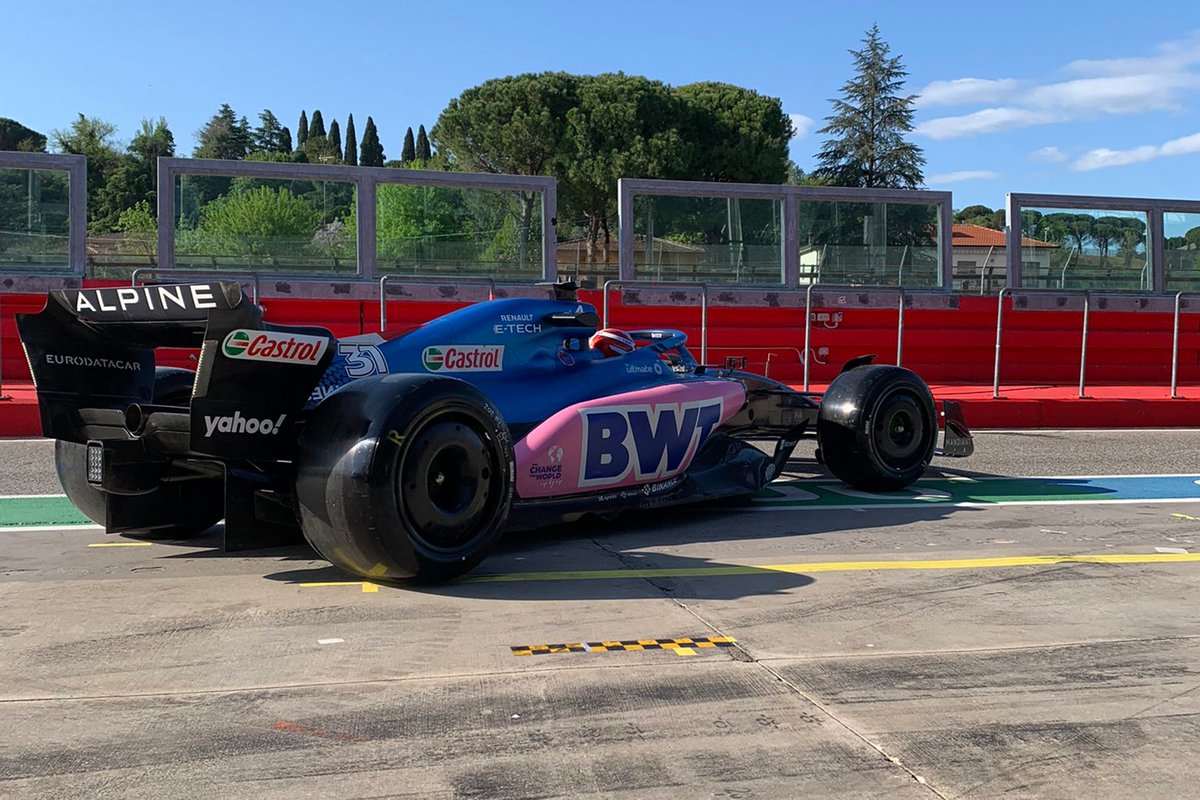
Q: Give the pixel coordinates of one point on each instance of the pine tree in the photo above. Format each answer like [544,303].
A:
[243,136]
[316,126]
[423,152]
[267,136]
[285,140]
[302,131]
[868,125]
[351,156]
[335,137]
[370,152]
[409,151]
[225,136]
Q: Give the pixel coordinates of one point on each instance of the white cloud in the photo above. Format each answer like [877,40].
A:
[1108,86]
[989,120]
[1172,57]
[1127,94]
[802,124]
[965,90]
[1184,145]
[1103,157]
[1051,154]
[962,175]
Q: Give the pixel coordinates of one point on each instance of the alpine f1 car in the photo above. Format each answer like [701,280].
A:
[406,457]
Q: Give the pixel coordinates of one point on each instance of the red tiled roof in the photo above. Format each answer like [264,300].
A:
[979,236]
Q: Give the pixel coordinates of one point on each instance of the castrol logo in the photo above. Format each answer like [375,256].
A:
[281,348]
[464,358]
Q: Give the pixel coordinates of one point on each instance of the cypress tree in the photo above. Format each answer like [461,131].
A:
[370,152]
[409,151]
[285,140]
[316,127]
[869,124]
[351,156]
[302,131]
[335,138]
[423,152]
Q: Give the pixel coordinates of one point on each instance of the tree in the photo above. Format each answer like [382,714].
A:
[335,138]
[351,155]
[153,141]
[513,125]
[984,216]
[370,152]
[316,127]
[94,138]
[302,130]
[253,221]
[623,126]
[1132,235]
[15,136]
[1192,237]
[285,140]
[869,123]
[224,136]
[409,151]
[268,136]
[423,151]
[735,134]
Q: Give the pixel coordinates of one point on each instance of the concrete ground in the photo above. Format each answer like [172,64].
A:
[170,669]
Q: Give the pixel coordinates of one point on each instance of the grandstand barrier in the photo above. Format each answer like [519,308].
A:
[490,283]
[364,185]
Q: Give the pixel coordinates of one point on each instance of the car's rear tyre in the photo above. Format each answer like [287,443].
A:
[405,476]
[200,503]
[877,427]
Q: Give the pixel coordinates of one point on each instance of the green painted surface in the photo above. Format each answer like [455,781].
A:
[52,510]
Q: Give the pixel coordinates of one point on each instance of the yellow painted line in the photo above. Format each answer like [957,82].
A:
[841,566]
[1188,517]
[120,544]
[367,586]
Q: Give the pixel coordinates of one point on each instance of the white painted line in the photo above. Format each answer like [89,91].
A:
[1170,550]
[1047,530]
[29,496]
[42,528]
[1035,431]
[330,641]
[973,504]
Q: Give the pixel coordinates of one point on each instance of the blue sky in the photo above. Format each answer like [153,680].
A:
[1065,97]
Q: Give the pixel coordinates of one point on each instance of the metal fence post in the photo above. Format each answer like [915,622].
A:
[842,287]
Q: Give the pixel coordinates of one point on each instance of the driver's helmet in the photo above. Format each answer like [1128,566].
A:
[612,342]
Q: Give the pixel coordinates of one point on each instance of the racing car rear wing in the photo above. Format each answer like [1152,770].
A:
[91,353]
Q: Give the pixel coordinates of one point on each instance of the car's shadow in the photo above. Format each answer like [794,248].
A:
[629,558]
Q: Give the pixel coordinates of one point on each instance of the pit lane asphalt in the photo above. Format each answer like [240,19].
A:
[168,669]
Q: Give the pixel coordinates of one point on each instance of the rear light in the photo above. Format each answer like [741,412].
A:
[95,464]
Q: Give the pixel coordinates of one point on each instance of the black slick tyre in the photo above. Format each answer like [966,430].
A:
[877,427]
[200,503]
[405,476]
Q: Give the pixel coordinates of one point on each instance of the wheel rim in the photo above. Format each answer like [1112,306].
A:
[446,483]
[898,433]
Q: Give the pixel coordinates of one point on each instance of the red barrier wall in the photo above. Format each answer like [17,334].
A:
[944,346]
